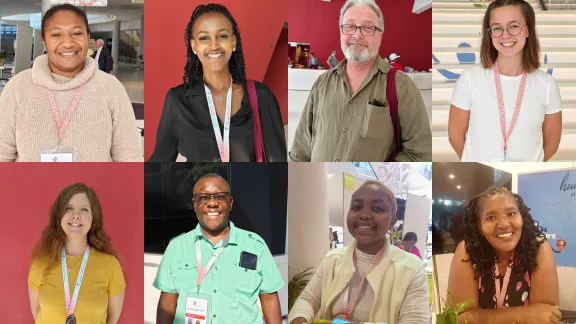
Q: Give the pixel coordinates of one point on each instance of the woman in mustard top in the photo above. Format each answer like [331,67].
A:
[75,274]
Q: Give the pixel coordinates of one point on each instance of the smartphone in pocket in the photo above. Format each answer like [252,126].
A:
[248,260]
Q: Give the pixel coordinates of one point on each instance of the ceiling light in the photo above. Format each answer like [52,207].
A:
[451,176]
[458,187]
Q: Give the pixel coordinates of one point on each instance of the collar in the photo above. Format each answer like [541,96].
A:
[42,76]
[232,236]
[379,64]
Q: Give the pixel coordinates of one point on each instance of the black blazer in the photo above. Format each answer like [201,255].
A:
[185,127]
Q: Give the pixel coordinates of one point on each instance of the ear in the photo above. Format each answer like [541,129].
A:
[234,40]
[231,202]
[193,45]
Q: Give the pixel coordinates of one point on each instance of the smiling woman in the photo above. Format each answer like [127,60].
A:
[75,235]
[369,280]
[504,264]
[229,118]
[65,109]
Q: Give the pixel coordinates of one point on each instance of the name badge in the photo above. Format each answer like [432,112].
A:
[197,310]
[58,154]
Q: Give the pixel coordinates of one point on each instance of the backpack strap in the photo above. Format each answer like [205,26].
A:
[392,98]
[260,152]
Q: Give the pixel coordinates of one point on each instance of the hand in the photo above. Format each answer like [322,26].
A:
[299,320]
[539,313]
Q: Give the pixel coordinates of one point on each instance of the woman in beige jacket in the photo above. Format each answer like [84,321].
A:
[395,289]
[64,108]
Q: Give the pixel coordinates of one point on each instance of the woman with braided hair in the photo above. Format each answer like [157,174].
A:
[209,118]
[504,264]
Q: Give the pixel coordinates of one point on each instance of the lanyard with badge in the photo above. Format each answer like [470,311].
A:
[71,303]
[198,305]
[506,135]
[60,153]
[349,306]
[223,143]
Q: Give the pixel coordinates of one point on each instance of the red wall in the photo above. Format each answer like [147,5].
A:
[406,34]
[260,23]
[27,191]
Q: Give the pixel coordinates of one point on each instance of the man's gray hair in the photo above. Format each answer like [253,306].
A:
[369,3]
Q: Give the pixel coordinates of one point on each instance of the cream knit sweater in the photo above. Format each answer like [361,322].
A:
[102,128]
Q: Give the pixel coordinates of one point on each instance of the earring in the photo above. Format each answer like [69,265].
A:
[234,50]
[195,53]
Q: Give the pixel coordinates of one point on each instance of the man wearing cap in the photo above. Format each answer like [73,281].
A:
[394,61]
[217,272]
[347,115]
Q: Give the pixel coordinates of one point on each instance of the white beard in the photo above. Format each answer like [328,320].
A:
[357,55]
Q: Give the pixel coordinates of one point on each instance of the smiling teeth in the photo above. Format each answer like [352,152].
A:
[505,235]
[67,54]
[365,227]
[508,44]
[212,214]
[214,55]
[75,225]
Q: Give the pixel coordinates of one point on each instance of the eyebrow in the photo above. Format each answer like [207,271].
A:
[70,205]
[495,210]
[372,201]
[518,21]
[364,22]
[219,30]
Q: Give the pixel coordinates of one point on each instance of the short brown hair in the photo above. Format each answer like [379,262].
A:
[531,50]
[391,196]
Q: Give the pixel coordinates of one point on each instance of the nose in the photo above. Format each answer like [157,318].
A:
[212,202]
[75,215]
[504,224]
[357,33]
[67,40]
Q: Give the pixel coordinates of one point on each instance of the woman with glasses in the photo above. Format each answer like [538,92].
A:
[369,280]
[75,274]
[506,109]
[218,115]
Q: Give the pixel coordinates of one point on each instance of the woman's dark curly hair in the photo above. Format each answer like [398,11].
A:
[193,69]
[482,254]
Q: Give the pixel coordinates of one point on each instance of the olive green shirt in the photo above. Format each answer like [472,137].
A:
[234,290]
[337,125]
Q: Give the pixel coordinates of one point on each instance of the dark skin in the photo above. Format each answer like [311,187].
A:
[370,207]
[213,35]
[66,41]
[215,228]
[499,215]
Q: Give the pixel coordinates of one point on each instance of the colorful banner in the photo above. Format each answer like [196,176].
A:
[552,199]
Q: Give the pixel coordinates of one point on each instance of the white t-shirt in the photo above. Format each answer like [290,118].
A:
[475,91]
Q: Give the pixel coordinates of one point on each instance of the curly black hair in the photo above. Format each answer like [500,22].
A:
[193,69]
[482,254]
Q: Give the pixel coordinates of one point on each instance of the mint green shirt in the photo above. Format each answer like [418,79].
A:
[234,290]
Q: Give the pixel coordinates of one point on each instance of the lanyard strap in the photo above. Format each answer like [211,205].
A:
[223,144]
[501,294]
[349,306]
[203,272]
[71,304]
[61,125]
[506,135]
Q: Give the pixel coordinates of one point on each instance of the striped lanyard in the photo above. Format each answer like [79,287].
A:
[71,304]
[61,125]
[223,144]
[506,135]
[350,305]
[203,272]
[501,293]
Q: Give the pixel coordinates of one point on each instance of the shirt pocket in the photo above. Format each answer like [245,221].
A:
[246,281]
[185,275]
[377,124]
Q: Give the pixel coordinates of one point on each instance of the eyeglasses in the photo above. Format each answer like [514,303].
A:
[364,30]
[514,29]
[204,198]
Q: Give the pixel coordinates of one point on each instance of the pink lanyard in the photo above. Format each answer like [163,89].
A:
[350,305]
[203,272]
[519,98]
[56,113]
[501,294]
